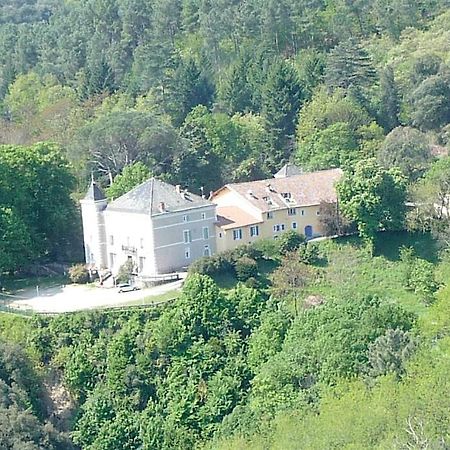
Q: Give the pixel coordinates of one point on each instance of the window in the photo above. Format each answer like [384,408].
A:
[203,216]
[292,212]
[278,227]
[142,242]
[237,234]
[270,215]
[282,227]
[205,233]
[294,225]
[303,212]
[187,253]
[318,212]
[286,195]
[186,218]
[206,251]
[268,200]
[111,240]
[141,263]
[254,230]
[187,236]
[220,235]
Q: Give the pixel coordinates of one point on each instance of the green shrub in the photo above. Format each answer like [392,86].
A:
[212,265]
[308,254]
[268,248]
[289,242]
[253,283]
[79,274]
[246,268]
[125,272]
[250,250]
[422,280]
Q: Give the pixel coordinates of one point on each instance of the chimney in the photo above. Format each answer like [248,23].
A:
[162,207]
[211,193]
[269,188]
[178,188]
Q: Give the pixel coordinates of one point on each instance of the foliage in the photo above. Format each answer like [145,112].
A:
[125,272]
[390,352]
[431,198]
[130,177]
[37,211]
[408,149]
[79,274]
[374,198]
[246,268]
[289,241]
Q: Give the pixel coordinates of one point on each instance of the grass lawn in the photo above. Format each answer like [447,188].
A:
[348,270]
[14,285]
[167,296]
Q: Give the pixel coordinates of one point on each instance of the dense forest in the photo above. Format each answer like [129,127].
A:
[285,345]
[298,347]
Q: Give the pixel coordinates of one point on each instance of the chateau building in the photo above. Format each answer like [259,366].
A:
[159,227]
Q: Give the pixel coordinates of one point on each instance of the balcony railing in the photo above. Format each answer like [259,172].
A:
[129,249]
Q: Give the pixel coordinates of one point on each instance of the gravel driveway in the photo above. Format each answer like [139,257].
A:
[76,298]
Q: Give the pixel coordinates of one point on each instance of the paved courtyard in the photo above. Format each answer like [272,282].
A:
[72,297]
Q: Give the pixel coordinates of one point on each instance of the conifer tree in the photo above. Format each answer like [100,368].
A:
[349,66]
[389,100]
[191,87]
[280,102]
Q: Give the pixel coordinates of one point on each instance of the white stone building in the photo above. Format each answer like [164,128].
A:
[157,226]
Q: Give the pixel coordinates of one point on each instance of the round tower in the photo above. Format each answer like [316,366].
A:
[94,234]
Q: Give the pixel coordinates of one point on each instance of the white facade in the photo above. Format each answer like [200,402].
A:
[157,239]
[94,232]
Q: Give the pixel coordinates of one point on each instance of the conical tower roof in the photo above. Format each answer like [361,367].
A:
[94,193]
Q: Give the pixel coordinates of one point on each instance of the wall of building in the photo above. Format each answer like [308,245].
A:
[309,217]
[94,233]
[171,251]
[129,236]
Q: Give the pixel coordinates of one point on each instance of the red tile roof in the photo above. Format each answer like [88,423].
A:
[234,217]
[306,189]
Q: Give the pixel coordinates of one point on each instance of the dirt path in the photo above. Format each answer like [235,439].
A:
[76,298]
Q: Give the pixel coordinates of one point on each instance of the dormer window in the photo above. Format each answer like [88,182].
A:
[286,195]
[268,200]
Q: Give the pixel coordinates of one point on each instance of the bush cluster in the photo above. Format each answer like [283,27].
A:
[79,274]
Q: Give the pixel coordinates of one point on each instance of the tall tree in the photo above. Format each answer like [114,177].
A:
[191,87]
[349,67]
[280,103]
[389,100]
[374,198]
[408,149]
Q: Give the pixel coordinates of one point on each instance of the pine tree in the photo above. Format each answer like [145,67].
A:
[237,91]
[389,101]
[190,87]
[349,66]
[280,103]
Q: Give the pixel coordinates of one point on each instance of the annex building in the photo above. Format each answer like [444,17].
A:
[266,208]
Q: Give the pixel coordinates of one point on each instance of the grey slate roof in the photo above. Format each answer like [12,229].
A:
[94,193]
[147,197]
[288,170]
